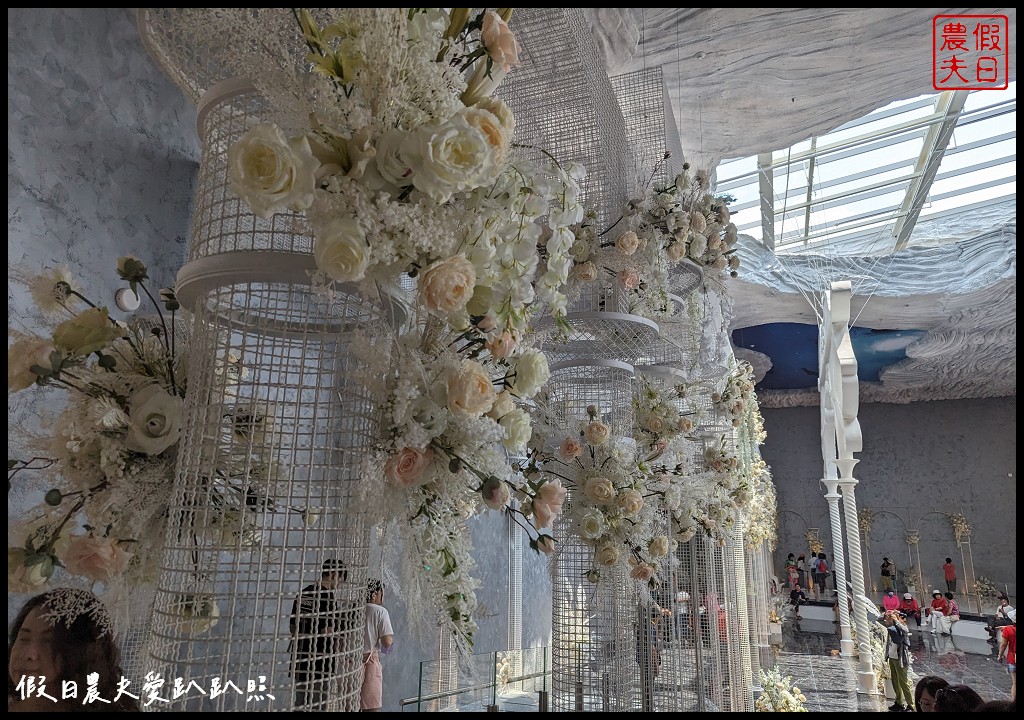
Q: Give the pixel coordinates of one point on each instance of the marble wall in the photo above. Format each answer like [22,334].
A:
[921,462]
[101,160]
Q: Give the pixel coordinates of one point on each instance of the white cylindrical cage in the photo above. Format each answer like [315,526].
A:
[737,619]
[263,582]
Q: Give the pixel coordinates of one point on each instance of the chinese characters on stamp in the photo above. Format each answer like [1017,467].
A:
[970,52]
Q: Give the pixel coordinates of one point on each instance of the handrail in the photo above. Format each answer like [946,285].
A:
[460,691]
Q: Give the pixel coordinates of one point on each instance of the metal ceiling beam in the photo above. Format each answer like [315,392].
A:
[949,104]
[765,176]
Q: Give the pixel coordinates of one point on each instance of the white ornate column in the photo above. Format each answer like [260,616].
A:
[846,646]
[866,675]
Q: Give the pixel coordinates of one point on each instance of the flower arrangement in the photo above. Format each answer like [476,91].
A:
[983,587]
[610,483]
[778,694]
[658,418]
[665,226]
[115,444]
[961,528]
[735,397]
[865,518]
[762,523]
[402,163]
[814,543]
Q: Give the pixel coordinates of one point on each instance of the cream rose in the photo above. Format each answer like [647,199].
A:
[495,493]
[26,351]
[685,535]
[658,547]
[499,41]
[500,110]
[654,423]
[607,555]
[676,251]
[684,425]
[570,449]
[720,263]
[734,262]
[531,373]
[448,158]
[597,433]
[271,173]
[408,467]
[341,250]
[585,272]
[447,286]
[27,578]
[99,559]
[503,405]
[698,246]
[155,417]
[592,525]
[470,390]
[698,223]
[628,243]
[516,424]
[87,332]
[493,130]
[600,490]
[630,502]
[629,279]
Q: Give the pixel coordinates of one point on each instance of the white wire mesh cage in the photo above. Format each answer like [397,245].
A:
[267,488]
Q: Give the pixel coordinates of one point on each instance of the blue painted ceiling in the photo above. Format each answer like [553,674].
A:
[793,349]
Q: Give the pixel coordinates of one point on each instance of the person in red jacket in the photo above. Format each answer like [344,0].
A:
[937,620]
[949,573]
[1008,650]
[909,608]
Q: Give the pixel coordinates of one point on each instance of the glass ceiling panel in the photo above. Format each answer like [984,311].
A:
[871,174]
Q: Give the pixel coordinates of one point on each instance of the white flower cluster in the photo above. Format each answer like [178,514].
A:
[778,694]
[405,169]
[658,418]
[735,398]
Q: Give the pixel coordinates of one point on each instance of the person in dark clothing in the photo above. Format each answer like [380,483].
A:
[796,599]
[314,624]
[648,658]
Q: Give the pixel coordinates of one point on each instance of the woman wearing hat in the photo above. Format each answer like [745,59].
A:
[937,620]
[909,608]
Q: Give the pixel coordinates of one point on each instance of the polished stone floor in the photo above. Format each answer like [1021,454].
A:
[830,681]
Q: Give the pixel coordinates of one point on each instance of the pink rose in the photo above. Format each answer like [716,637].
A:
[502,346]
[629,279]
[500,41]
[552,494]
[570,449]
[96,558]
[407,467]
[642,572]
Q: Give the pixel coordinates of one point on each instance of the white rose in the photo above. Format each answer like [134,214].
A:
[500,110]
[600,490]
[570,449]
[597,433]
[654,423]
[658,547]
[390,163]
[698,246]
[607,555]
[470,390]
[409,467]
[155,418]
[340,250]
[698,223]
[271,173]
[448,158]
[516,424]
[628,243]
[676,251]
[531,373]
[493,130]
[592,525]
[23,353]
[97,558]
[630,502]
[447,286]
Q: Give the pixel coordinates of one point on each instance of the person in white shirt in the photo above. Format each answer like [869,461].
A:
[378,639]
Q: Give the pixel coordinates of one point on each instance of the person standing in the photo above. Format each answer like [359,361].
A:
[897,652]
[886,575]
[949,572]
[820,574]
[792,576]
[801,570]
[648,658]
[1008,651]
[314,624]
[379,638]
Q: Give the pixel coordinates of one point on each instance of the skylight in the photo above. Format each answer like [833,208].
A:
[862,188]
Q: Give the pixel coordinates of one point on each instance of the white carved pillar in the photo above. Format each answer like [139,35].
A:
[866,674]
[846,646]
